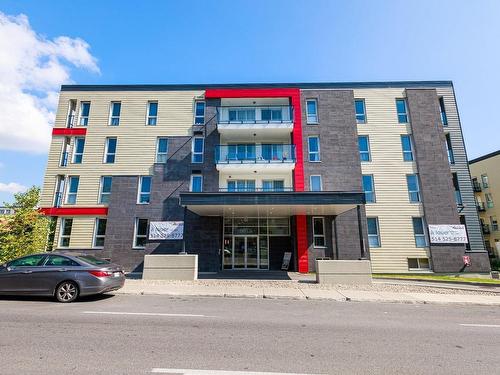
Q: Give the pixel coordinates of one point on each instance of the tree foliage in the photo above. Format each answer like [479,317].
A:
[25,232]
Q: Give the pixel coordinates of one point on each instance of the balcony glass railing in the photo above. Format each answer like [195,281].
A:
[255,115]
[250,153]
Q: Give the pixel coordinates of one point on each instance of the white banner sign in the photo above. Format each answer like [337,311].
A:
[448,233]
[166,230]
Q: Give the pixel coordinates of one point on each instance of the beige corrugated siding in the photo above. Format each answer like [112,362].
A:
[82,233]
[389,171]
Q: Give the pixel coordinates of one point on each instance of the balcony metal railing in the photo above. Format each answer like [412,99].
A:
[276,114]
[254,190]
[480,206]
[477,186]
[249,153]
[486,228]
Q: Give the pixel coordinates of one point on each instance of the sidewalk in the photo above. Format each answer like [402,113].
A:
[308,291]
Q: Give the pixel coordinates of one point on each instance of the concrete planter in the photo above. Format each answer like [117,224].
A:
[170,267]
[343,272]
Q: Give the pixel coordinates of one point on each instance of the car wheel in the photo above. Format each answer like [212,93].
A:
[67,291]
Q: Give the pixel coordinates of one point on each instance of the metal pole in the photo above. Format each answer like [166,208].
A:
[336,238]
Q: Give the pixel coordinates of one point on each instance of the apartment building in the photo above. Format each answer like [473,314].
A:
[245,174]
[485,172]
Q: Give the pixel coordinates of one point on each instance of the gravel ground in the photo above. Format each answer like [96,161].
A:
[294,284]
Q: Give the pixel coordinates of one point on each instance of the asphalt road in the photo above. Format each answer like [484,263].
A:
[128,334]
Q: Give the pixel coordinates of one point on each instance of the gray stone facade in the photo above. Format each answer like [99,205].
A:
[340,169]
[435,179]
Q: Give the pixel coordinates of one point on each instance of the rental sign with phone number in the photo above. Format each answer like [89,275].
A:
[448,234]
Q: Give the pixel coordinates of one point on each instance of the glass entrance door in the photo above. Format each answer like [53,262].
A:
[245,252]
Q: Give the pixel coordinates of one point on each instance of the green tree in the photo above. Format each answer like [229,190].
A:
[25,232]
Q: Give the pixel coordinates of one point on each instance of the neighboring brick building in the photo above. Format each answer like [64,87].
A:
[339,170]
[485,172]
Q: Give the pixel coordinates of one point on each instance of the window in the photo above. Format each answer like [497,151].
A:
[242,115]
[369,188]
[72,189]
[489,200]
[449,149]
[407,147]
[315,183]
[114,113]
[64,153]
[418,263]
[66,225]
[484,180]
[494,223]
[373,232]
[78,150]
[144,195]
[464,223]
[402,111]
[152,113]
[105,189]
[444,118]
[28,261]
[197,150]
[313,144]
[140,233]
[196,184]
[419,232]
[364,148]
[319,232]
[161,150]
[199,113]
[99,232]
[312,111]
[60,261]
[84,113]
[458,196]
[271,115]
[110,150]
[273,185]
[413,188]
[242,185]
[359,106]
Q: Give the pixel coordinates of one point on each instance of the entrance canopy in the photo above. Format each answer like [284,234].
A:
[277,204]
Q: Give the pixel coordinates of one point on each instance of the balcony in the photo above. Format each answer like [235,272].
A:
[486,228]
[476,186]
[480,206]
[251,157]
[242,120]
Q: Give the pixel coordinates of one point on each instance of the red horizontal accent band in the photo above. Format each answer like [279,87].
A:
[74,211]
[69,131]
[251,93]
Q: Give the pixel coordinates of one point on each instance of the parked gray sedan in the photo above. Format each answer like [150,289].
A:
[66,277]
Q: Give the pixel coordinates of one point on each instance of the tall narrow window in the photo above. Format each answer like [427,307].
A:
[359,106]
[419,232]
[114,113]
[99,232]
[65,153]
[458,196]
[373,232]
[71,114]
[369,188]
[60,186]
[65,230]
[196,185]
[312,111]
[484,180]
[72,189]
[197,150]
[144,194]
[315,183]
[78,150]
[413,188]
[152,113]
[110,150]
[140,233]
[449,149]
[407,147]
[199,114]
[161,150]
[84,113]
[444,118]
[364,148]
[313,144]
[402,110]
[105,189]
[319,232]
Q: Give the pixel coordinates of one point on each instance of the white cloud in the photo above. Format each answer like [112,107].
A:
[32,68]
[12,187]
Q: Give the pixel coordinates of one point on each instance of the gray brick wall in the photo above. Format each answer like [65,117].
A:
[340,167]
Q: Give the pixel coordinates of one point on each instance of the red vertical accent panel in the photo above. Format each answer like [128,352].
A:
[302,252]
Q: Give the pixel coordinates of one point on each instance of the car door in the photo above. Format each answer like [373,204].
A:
[55,269]
[18,275]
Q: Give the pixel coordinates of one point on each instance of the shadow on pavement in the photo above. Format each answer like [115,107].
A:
[85,299]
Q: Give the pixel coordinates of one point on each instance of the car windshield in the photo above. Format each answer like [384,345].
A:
[92,260]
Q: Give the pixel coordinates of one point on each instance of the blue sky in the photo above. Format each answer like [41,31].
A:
[256,41]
